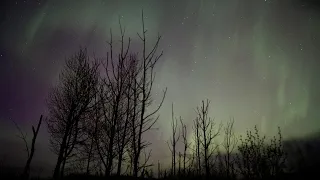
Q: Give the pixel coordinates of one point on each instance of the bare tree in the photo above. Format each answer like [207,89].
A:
[68,104]
[276,156]
[114,102]
[143,118]
[118,97]
[30,152]
[208,133]
[257,159]
[92,136]
[85,157]
[197,140]
[186,145]
[123,130]
[250,157]
[229,144]
[88,150]
[125,101]
[173,142]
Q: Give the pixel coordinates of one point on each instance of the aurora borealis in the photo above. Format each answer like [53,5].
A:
[256,60]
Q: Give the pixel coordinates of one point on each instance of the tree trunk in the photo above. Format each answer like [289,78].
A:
[89,157]
[58,164]
[135,166]
[110,154]
[60,157]
[119,164]
[26,171]
[62,169]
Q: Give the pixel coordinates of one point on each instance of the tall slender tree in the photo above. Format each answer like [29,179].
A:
[116,104]
[206,132]
[173,142]
[229,144]
[197,150]
[143,118]
[186,145]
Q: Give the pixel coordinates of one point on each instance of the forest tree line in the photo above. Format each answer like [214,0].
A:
[100,120]
[100,110]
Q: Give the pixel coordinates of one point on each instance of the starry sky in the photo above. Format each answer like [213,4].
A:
[256,60]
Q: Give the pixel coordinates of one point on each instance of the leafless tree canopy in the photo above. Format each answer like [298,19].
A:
[97,122]
[99,119]
[68,104]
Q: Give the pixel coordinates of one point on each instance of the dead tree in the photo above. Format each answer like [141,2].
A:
[30,152]
[117,104]
[143,118]
[123,134]
[125,101]
[173,142]
[229,144]
[91,131]
[186,145]
[115,83]
[123,131]
[68,104]
[197,139]
[133,95]
[208,134]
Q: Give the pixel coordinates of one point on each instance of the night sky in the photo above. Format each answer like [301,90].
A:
[256,60]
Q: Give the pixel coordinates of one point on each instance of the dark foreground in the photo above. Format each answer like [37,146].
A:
[307,174]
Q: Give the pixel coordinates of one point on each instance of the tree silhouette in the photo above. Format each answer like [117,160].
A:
[206,133]
[114,107]
[92,129]
[125,98]
[68,104]
[186,145]
[173,142]
[85,154]
[30,152]
[197,150]
[143,117]
[257,159]
[229,144]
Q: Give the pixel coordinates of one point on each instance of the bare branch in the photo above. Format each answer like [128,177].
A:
[22,136]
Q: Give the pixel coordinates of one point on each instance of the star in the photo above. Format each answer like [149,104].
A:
[250,77]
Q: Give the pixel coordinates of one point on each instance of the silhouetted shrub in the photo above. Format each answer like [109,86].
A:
[257,159]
